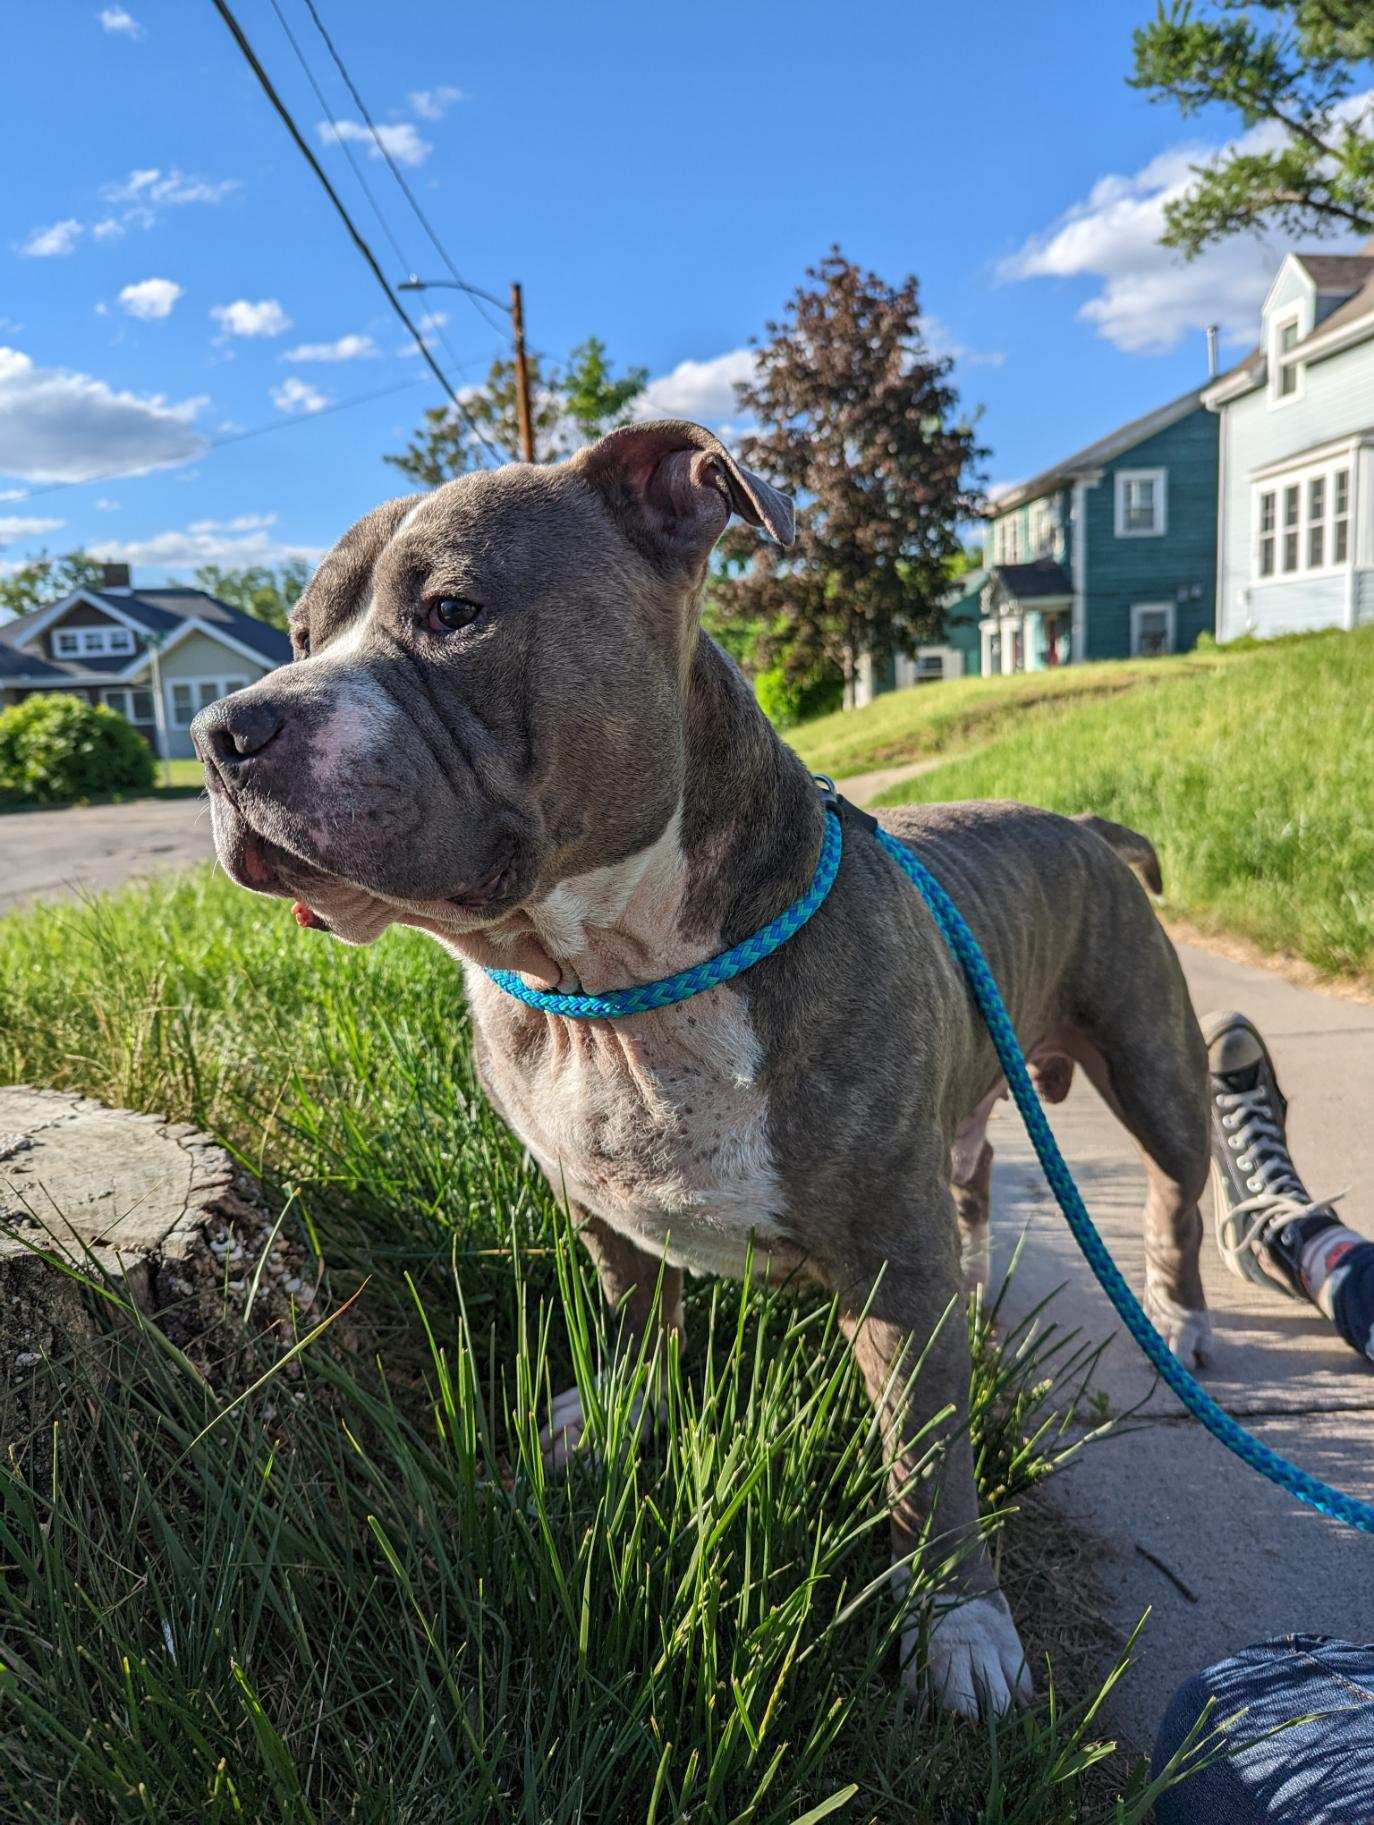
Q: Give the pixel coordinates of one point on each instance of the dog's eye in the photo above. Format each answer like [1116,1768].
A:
[447,614]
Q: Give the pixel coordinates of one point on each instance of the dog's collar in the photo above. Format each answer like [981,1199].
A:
[615,1004]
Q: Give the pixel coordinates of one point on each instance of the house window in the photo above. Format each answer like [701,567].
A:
[1152,628]
[1340,521]
[1302,527]
[133,704]
[1316,522]
[1290,528]
[1140,503]
[189,696]
[85,642]
[1044,523]
[1268,521]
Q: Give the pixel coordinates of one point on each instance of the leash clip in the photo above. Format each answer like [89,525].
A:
[829,791]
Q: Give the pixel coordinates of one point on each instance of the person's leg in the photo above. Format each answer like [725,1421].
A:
[1319,1772]
[1268,1228]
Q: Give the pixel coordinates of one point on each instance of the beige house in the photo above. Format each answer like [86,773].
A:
[157,656]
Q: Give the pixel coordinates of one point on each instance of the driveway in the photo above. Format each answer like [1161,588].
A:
[47,855]
[1218,1555]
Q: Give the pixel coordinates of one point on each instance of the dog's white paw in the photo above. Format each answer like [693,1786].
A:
[1188,1333]
[561,1437]
[976,1663]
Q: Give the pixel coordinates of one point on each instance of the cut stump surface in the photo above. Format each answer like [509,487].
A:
[154,1205]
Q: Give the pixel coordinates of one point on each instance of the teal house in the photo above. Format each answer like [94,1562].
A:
[1111,552]
[957,653]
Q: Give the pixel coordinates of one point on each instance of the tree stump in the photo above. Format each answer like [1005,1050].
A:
[155,1205]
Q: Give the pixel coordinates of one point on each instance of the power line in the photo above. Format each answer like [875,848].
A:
[475,292]
[302,145]
[232,437]
[339,139]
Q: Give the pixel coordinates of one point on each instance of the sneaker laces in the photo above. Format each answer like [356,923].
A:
[1281,1196]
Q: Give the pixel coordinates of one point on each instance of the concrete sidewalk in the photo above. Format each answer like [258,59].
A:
[1219,1555]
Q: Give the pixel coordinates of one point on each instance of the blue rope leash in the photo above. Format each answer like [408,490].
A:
[1195,1398]
[708,975]
[638,1000]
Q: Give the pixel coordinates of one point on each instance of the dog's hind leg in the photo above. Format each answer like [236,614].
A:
[641,1290]
[970,1184]
[1146,1058]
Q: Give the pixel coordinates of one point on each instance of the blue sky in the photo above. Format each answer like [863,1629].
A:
[658,176]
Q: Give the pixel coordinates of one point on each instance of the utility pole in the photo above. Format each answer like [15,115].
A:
[522,372]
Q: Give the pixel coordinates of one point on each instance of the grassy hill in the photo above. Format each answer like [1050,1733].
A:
[1252,771]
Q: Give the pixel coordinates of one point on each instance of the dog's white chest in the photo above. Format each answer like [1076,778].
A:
[655,1124]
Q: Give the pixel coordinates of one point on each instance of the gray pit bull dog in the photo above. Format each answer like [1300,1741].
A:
[505,727]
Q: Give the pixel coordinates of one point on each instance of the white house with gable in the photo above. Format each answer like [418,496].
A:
[1295,544]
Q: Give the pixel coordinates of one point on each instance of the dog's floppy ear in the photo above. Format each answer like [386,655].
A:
[673,486]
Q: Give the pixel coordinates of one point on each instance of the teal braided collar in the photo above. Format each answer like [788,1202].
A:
[615,1004]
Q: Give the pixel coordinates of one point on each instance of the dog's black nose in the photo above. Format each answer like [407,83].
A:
[233,731]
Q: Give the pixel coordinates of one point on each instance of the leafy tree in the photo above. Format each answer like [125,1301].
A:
[265,590]
[967,558]
[860,425]
[1291,65]
[46,579]
[593,398]
[568,407]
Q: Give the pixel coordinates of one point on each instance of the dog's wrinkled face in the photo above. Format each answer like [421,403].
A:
[487,694]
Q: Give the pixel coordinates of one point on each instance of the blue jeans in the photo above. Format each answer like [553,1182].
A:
[1318,1773]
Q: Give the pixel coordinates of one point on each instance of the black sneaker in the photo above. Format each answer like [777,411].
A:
[1262,1214]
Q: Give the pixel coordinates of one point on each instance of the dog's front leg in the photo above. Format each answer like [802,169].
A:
[976,1661]
[630,1281]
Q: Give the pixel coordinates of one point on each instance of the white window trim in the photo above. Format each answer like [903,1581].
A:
[1300,478]
[130,691]
[220,685]
[88,642]
[1299,368]
[1160,478]
[1139,610]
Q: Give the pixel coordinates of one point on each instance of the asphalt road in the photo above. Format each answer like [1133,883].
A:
[1219,1556]
[47,855]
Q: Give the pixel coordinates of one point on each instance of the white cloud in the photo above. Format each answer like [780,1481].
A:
[60,426]
[1148,297]
[428,323]
[105,506]
[151,186]
[246,540]
[108,228]
[699,390]
[242,318]
[941,340]
[151,299]
[13,494]
[298,397]
[60,238]
[400,139]
[344,348]
[119,21]
[433,104]
[16,526]
[245,522]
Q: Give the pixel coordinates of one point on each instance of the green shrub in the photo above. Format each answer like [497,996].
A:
[787,701]
[55,748]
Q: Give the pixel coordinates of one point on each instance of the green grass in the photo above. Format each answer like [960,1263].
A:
[927,720]
[1254,778]
[358,1596]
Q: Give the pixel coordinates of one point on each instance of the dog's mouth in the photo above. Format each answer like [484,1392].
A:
[483,920]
